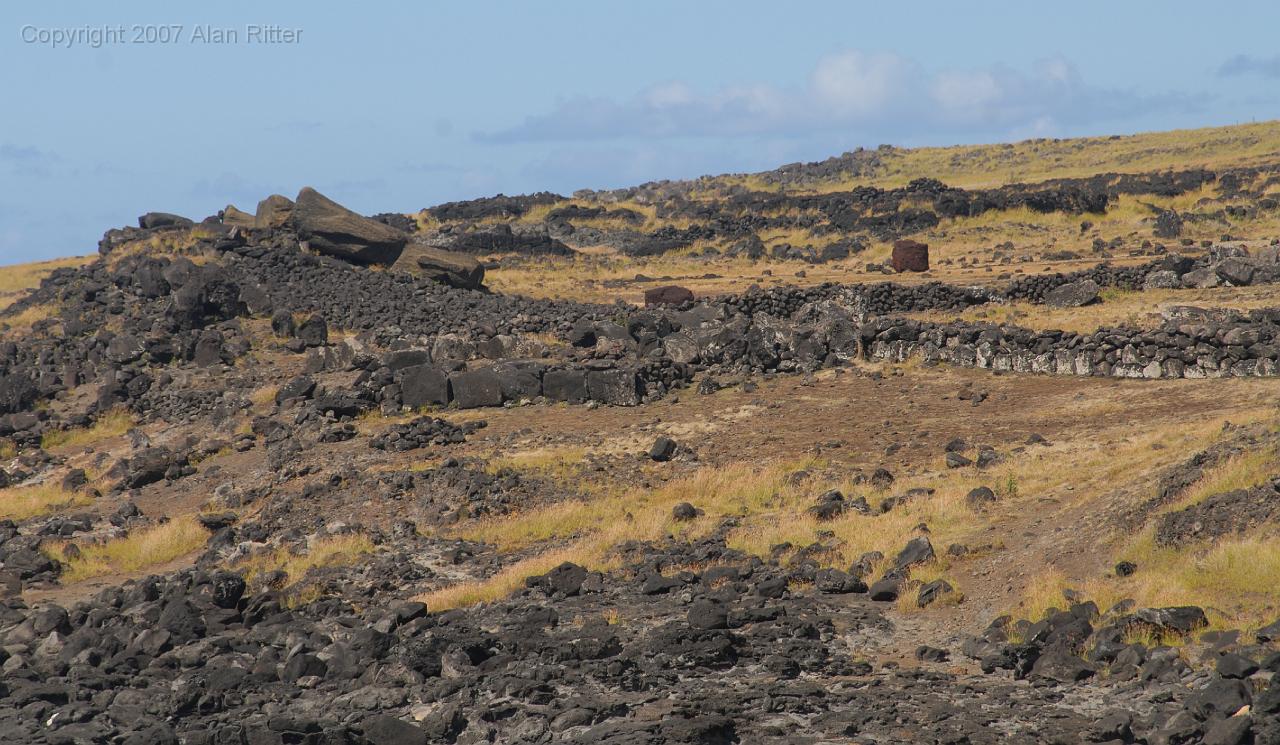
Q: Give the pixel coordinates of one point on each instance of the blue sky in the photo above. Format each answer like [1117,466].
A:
[404,105]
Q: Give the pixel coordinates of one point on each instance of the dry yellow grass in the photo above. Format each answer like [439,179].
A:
[17,277]
[1236,579]
[908,602]
[1089,465]
[771,505]
[499,585]
[558,464]
[110,424]
[28,317]
[141,549]
[1243,471]
[327,551]
[264,397]
[588,278]
[22,502]
[593,527]
[8,448]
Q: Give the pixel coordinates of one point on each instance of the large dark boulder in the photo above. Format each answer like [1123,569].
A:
[519,380]
[421,385]
[163,220]
[475,388]
[564,580]
[614,387]
[147,467]
[449,268]
[917,551]
[1236,272]
[1073,294]
[565,385]
[1181,619]
[333,230]
[17,393]
[1062,666]
[207,295]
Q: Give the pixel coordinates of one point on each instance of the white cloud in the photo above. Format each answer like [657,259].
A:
[875,96]
[966,94]
[857,85]
[670,94]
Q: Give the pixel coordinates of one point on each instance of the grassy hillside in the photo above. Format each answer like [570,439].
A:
[986,166]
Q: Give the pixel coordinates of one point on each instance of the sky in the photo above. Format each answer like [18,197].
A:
[111,110]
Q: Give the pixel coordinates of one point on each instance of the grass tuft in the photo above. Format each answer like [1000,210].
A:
[328,551]
[143,548]
[30,316]
[113,423]
[557,464]
[498,586]
[23,502]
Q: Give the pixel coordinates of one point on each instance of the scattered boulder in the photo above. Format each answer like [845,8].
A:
[314,332]
[684,512]
[662,449]
[1162,280]
[885,590]
[917,551]
[708,614]
[17,393]
[387,730]
[832,504]
[831,581]
[931,592]
[980,498]
[1180,619]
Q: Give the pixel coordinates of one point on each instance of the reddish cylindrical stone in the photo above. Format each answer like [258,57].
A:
[910,256]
